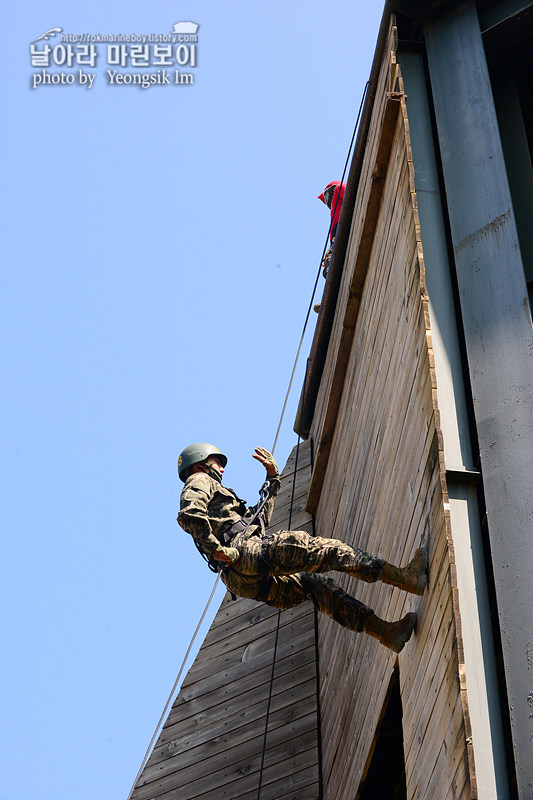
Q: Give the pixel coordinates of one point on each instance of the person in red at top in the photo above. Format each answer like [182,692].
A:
[333,196]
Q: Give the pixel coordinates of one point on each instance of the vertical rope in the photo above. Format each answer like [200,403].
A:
[263,752]
[317,668]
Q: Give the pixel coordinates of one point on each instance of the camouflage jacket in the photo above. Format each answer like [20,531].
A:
[208,509]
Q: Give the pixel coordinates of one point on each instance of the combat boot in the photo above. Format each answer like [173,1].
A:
[393,635]
[413,577]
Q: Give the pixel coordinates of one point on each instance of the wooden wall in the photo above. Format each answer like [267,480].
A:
[210,746]
[381,487]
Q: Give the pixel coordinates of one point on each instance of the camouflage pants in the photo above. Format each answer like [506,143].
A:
[293,559]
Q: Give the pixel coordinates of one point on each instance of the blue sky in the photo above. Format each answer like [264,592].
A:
[159,250]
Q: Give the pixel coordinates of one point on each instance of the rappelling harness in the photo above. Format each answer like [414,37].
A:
[252,516]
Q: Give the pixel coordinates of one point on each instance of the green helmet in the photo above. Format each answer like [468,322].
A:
[196,453]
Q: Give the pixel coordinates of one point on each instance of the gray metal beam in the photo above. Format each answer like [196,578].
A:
[484,705]
[499,342]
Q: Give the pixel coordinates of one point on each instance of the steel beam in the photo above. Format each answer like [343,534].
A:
[499,341]
[484,706]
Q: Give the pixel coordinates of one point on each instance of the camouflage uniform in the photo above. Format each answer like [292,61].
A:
[286,577]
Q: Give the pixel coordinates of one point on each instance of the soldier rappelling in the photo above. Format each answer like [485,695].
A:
[283,568]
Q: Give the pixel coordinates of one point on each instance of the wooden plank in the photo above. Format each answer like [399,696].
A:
[284,744]
[232,714]
[253,614]
[231,609]
[201,698]
[241,614]
[296,785]
[448,757]
[369,485]
[380,494]
[175,758]
[223,650]
[437,604]
[425,716]
[254,653]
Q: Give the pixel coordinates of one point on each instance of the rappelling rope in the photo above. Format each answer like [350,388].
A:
[271,686]
[176,682]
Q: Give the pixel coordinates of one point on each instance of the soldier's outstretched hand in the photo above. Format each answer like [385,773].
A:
[267,460]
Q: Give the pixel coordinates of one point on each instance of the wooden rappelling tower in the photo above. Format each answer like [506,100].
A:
[417,418]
